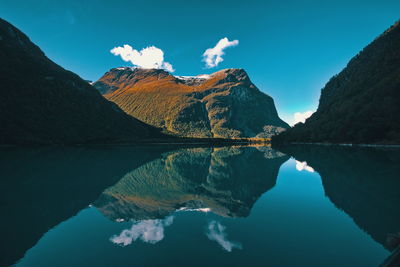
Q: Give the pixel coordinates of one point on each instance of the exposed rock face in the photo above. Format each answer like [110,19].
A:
[40,102]
[361,103]
[223,104]
[226,181]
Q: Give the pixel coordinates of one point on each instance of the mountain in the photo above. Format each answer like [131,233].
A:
[361,103]
[224,104]
[42,103]
[224,180]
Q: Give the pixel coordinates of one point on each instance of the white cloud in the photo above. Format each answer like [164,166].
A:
[300,166]
[216,232]
[149,231]
[148,58]
[213,56]
[301,117]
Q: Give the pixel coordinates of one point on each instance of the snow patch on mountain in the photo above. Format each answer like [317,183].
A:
[203,76]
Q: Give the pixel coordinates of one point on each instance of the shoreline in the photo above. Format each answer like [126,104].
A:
[153,142]
[347,145]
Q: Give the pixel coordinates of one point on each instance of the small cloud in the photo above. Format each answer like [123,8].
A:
[148,58]
[300,166]
[301,117]
[213,56]
[216,232]
[149,231]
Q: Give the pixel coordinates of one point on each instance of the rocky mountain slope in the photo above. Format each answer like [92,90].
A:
[223,104]
[361,103]
[41,103]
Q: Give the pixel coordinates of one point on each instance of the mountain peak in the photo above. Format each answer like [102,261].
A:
[232,71]
[139,71]
[134,74]
[232,75]
[11,37]
[222,104]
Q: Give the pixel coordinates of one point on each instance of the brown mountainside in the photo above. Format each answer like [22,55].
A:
[223,104]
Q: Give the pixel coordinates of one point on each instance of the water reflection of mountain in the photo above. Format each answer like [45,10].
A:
[363,182]
[225,180]
[42,187]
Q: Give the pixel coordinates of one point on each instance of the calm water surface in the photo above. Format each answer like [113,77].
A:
[153,206]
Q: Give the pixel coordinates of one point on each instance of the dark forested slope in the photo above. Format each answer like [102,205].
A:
[362,103]
[42,103]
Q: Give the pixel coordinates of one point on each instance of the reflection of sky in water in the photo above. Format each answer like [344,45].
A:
[294,215]
[302,166]
[216,232]
[152,231]
[197,209]
[149,231]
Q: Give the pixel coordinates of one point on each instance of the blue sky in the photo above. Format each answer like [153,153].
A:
[290,49]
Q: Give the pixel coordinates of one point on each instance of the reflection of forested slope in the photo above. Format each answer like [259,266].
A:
[226,180]
[42,187]
[363,182]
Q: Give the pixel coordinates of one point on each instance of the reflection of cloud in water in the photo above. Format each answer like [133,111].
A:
[300,166]
[149,231]
[205,210]
[216,232]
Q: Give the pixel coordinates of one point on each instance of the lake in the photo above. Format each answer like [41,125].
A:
[198,206]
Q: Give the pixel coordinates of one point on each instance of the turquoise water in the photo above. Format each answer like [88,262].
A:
[199,206]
